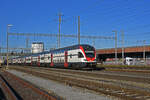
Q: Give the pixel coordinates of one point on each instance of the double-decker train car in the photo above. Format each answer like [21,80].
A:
[77,56]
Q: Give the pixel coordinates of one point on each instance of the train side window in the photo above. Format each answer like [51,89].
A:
[70,55]
[42,58]
[48,57]
[80,55]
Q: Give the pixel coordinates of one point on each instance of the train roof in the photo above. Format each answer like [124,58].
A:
[37,43]
[63,49]
[72,47]
[66,48]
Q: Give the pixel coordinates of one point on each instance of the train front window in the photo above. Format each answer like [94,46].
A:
[91,55]
[80,55]
[88,48]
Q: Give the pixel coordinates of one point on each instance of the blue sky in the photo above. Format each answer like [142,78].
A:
[98,17]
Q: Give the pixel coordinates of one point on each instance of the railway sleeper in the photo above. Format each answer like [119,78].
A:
[147,97]
[98,87]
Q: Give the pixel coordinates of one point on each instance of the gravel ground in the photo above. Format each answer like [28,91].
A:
[62,90]
[129,74]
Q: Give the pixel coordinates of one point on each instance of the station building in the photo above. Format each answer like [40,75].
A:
[134,52]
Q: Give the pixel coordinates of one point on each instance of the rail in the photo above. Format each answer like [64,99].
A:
[122,92]
[9,94]
[35,89]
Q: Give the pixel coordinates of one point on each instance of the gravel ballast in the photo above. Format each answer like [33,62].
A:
[62,90]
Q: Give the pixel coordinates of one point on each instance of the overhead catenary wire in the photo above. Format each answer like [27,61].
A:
[62,35]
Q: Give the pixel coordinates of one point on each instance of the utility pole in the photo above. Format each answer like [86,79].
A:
[115,47]
[93,42]
[0,51]
[8,26]
[122,35]
[144,50]
[79,30]
[0,57]
[58,41]
[27,42]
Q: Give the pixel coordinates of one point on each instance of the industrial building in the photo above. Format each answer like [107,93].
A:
[37,47]
[134,52]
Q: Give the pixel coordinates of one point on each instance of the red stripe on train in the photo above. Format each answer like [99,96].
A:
[88,58]
[66,59]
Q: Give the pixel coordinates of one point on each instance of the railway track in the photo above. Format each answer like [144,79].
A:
[136,77]
[7,92]
[15,88]
[129,69]
[93,82]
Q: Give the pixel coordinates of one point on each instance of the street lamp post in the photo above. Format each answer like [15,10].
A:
[122,47]
[115,46]
[144,51]
[8,26]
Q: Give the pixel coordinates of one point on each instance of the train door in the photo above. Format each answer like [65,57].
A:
[66,59]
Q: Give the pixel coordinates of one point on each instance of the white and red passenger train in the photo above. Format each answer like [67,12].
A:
[77,56]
